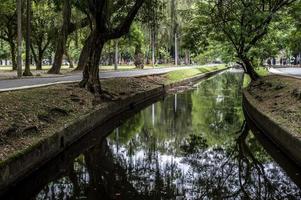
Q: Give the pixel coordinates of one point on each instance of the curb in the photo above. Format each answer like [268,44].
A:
[289,143]
[14,168]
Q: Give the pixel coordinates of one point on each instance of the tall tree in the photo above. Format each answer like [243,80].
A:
[28,35]
[8,26]
[62,38]
[241,23]
[44,29]
[19,40]
[102,16]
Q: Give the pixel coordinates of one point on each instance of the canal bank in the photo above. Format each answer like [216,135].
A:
[32,151]
[274,105]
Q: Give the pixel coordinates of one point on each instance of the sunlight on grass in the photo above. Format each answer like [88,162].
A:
[262,71]
[187,73]
[247,80]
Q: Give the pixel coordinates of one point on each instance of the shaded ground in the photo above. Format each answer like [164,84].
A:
[280,98]
[30,115]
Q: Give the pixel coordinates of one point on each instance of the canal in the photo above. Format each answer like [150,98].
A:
[192,145]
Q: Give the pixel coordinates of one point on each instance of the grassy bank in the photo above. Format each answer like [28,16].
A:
[182,74]
[28,116]
[280,99]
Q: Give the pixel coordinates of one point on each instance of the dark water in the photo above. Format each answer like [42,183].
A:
[188,146]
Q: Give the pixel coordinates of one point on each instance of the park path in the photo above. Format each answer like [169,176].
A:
[292,72]
[18,84]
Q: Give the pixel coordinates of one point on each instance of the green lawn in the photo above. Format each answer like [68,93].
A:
[187,73]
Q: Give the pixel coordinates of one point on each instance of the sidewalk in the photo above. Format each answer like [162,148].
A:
[291,72]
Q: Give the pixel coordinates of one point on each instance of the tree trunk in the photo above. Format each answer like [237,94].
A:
[13,54]
[116,55]
[19,38]
[176,50]
[91,71]
[38,58]
[153,48]
[69,59]
[84,55]
[62,39]
[187,60]
[249,69]
[139,58]
[28,33]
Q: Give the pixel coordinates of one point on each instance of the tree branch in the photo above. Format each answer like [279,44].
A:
[124,27]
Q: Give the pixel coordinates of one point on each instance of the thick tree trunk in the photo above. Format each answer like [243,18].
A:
[249,69]
[28,33]
[19,38]
[13,54]
[62,39]
[84,55]
[91,71]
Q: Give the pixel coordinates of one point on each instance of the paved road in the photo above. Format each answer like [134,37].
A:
[16,84]
[294,72]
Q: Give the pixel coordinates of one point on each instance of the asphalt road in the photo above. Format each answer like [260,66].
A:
[17,84]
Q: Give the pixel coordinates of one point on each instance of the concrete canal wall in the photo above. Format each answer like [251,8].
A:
[288,142]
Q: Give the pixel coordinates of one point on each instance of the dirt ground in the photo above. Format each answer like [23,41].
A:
[28,116]
[280,98]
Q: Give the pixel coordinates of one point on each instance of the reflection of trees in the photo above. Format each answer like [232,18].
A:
[238,174]
[94,175]
[217,107]
[220,172]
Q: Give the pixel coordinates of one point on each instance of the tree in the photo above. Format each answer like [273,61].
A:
[102,14]
[67,28]
[136,37]
[44,28]
[62,38]
[19,39]
[28,35]
[240,23]
[8,26]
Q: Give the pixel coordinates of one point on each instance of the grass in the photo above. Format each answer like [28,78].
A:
[247,80]
[187,73]
[262,71]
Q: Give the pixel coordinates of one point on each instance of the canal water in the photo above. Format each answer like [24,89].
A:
[191,145]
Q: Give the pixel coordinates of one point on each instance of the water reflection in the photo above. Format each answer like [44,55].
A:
[185,147]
